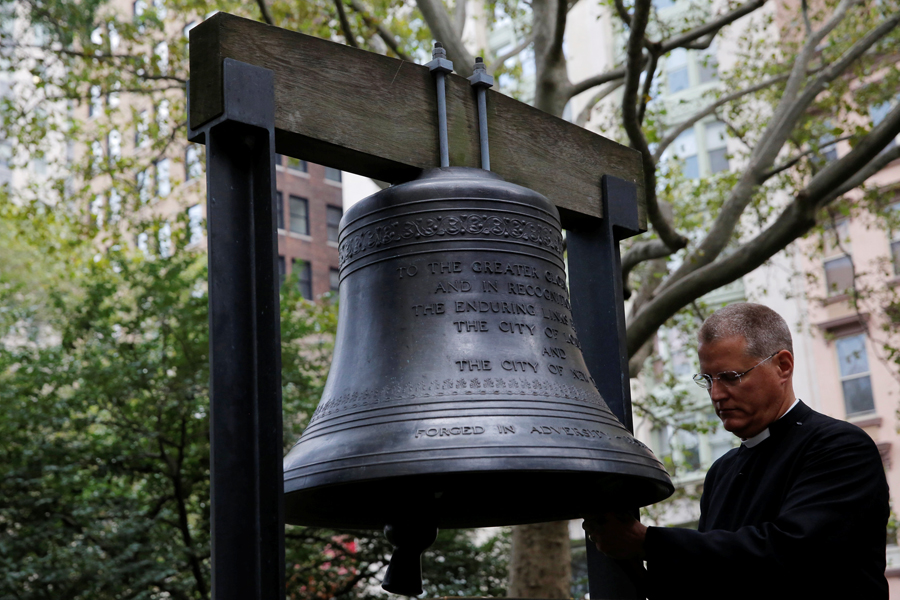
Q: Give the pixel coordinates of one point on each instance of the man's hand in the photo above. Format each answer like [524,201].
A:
[616,534]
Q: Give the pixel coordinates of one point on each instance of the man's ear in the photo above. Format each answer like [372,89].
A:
[784,361]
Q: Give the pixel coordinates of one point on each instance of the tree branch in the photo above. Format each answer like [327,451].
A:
[689,122]
[386,36]
[594,81]
[623,13]
[641,251]
[585,115]
[635,61]
[834,179]
[345,23]
[498,61]
[459,16]
[442,29]
[648,81]
[711,28]
[793,161]
[790,108]
[266,15]
[796,219]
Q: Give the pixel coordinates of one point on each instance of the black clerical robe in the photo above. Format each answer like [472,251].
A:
[803,514]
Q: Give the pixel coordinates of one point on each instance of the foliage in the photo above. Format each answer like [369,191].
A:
[104,448]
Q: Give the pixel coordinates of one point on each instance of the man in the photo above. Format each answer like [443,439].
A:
[799,510]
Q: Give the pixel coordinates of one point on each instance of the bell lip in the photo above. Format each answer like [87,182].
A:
[432,178]
[495,510]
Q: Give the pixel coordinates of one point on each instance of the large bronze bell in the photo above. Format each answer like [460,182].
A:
[458,395]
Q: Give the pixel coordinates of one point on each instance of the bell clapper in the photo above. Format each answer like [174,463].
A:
[481,81]
[410,539]
[440,66]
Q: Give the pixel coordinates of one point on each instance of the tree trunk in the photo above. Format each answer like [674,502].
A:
[541,565]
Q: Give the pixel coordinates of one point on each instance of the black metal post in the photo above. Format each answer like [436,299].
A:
[595,273]
[247,486]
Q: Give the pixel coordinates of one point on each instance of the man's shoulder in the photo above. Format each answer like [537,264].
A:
[826,428]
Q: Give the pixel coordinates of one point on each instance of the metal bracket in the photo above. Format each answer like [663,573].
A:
[598,305]
[247,484]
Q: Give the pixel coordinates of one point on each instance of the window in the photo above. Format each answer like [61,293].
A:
[114,145]
[895,237]
[878,113]
[193,168]
[195,223]
[143,189]
[161,10]
[281,271]
[693,446]
[677,69]
[299,215]
[161,56]
[686,149]
[853,364]
[142,243]
[112,98]
[96,105]
[162,117]
[708,65]
[139,7]
[279,210]
[334,221]
[333,174]
[838,275]
[715,146]
[114,37]
[165,240]
[142,126]
[334,279]
[115,205]
[163,184]
[97,209]
[96,155]
[97,39]
[838,264]
[304,274]
[295,164]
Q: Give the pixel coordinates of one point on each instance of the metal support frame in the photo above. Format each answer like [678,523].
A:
[245,350]
[598,305]
[247,485]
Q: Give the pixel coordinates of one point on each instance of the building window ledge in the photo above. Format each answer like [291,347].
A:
[865,420]
[297,172]
[835,299]
[856,323]
[333,244]
[300,236]
[334,183]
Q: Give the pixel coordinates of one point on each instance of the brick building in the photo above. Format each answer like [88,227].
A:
[310,205]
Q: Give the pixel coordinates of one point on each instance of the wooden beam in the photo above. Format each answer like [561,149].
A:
[376,116]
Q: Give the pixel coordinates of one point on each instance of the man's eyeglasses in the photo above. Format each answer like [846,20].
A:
[728,378]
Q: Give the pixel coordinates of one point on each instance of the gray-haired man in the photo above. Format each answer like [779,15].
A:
[799,510]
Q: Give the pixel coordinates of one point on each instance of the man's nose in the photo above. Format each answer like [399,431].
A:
[718,391]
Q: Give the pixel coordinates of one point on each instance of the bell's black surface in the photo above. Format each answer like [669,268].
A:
[458,395]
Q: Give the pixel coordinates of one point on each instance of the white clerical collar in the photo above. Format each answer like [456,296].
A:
[764,434]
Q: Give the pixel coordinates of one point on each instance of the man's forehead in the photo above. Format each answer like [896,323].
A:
[724,349]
